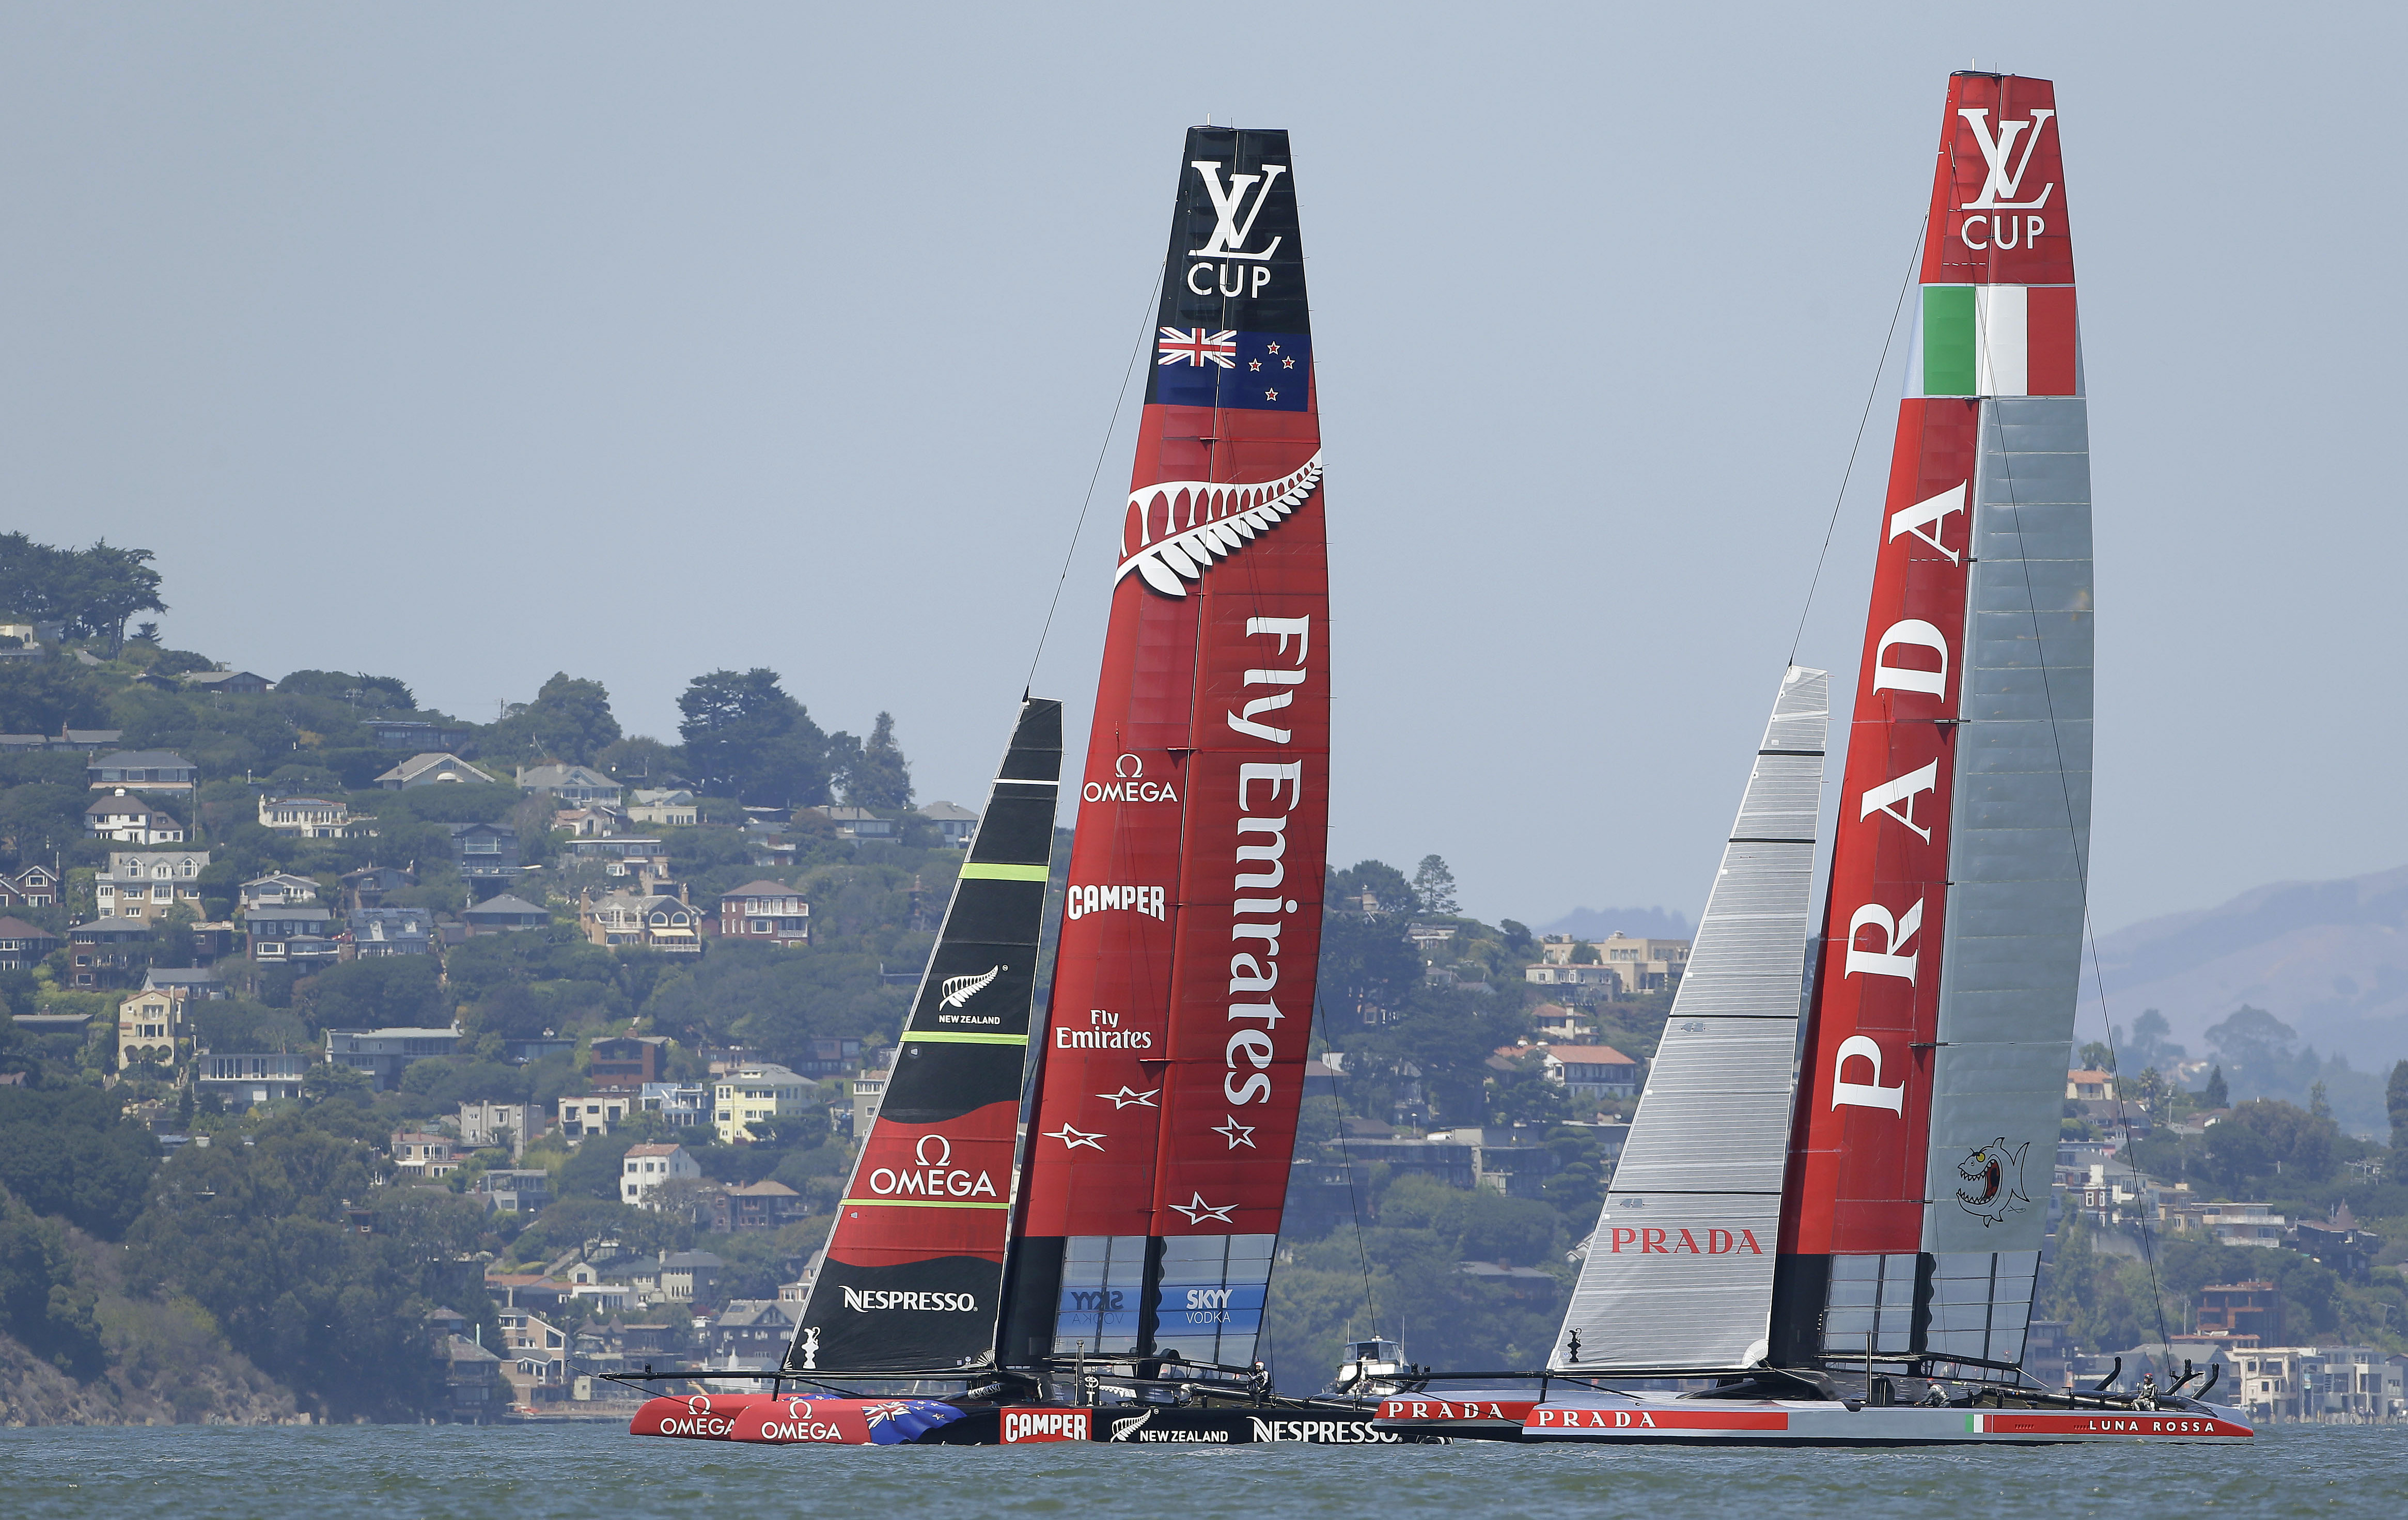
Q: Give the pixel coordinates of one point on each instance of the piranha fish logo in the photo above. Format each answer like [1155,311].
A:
[1991,1181]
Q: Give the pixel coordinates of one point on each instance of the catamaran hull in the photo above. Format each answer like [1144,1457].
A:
[1781,1423]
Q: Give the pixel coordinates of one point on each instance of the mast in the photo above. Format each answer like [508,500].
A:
[1679,1273]
[1182,1002]
[913,1274]
[1932,1076]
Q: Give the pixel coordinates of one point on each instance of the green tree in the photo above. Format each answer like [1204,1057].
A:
[41,1302]
[2395,1100]
[69,1152]
[2097,1056]
[93,590]
[2255,1045]
[381,993]
[569,720]
[42,821]
[48,696]
[2215,1095]
[388,694]
[2148,1044]
[747,738]
[1383,884]
[1368,969]
[257,1234]
[1434,885]
[878,776]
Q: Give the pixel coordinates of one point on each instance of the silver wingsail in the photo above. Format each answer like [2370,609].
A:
[1679,1273]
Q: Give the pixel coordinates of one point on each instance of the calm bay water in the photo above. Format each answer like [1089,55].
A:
[597,1472]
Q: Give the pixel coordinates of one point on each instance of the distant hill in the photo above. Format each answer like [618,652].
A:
[1638,923]
[2329,958]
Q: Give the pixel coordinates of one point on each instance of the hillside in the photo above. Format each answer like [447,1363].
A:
[2329,958]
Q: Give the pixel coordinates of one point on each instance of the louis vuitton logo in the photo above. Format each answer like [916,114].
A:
[1996,149]
[1229,235]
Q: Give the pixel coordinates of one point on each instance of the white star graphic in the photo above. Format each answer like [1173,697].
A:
[1270,396]
[1254,364]
[1072,1138]
[1197,1210]
[1236,1133]
[1287,364]
[1271,348]
[1125,1097]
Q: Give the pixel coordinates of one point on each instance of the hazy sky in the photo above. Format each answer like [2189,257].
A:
[467,343]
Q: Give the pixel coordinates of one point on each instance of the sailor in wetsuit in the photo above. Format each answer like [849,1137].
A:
[1935,1397]
[2147,1397]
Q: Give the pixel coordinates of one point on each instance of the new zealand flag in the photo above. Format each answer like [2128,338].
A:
[1196,366]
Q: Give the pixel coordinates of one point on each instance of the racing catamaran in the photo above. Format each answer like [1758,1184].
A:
[1850,1260]
[1094,1264]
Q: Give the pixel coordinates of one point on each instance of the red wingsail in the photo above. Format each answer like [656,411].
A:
[1183,1002]
[1939,974]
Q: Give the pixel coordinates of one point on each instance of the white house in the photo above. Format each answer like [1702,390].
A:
[647,1167]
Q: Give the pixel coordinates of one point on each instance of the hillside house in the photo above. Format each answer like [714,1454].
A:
[279,890]
[664,808]
[23,945]
[366,887]
[576,785]
[420,1154]
[150,1027]
[504,914]
[485,852]
[438,768]
[626,1063]
[314,818]
[145,883]
[1592,1073]
[955,825]
[1639,965]
[592,1114]
[2090,1086]
[129,819]
[384,1054]
[142,770]
[230,682]
[483,1125]
[201,983]
[756,1093]
[762,1205]
[413,734]
[108,952]
[287,935]
[860,824]
[647,1167]
[34,887]
[624,918]
[621,855]
[377,932]
[764,913]
[246,1080]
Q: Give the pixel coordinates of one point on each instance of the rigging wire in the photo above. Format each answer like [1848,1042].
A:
[1872,394]
[1353,1204]
[2073,831]
[1153,302]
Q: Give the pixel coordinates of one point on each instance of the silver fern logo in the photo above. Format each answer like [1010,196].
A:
[1178,529]
[957,990]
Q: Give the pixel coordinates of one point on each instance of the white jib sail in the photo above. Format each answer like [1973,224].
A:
[1679,1273]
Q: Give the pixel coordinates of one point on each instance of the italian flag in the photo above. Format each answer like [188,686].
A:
[1996,341]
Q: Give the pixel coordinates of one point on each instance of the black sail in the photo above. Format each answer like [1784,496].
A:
[913,1274]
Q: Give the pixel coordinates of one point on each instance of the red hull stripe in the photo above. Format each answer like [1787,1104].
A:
[1547,1417]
